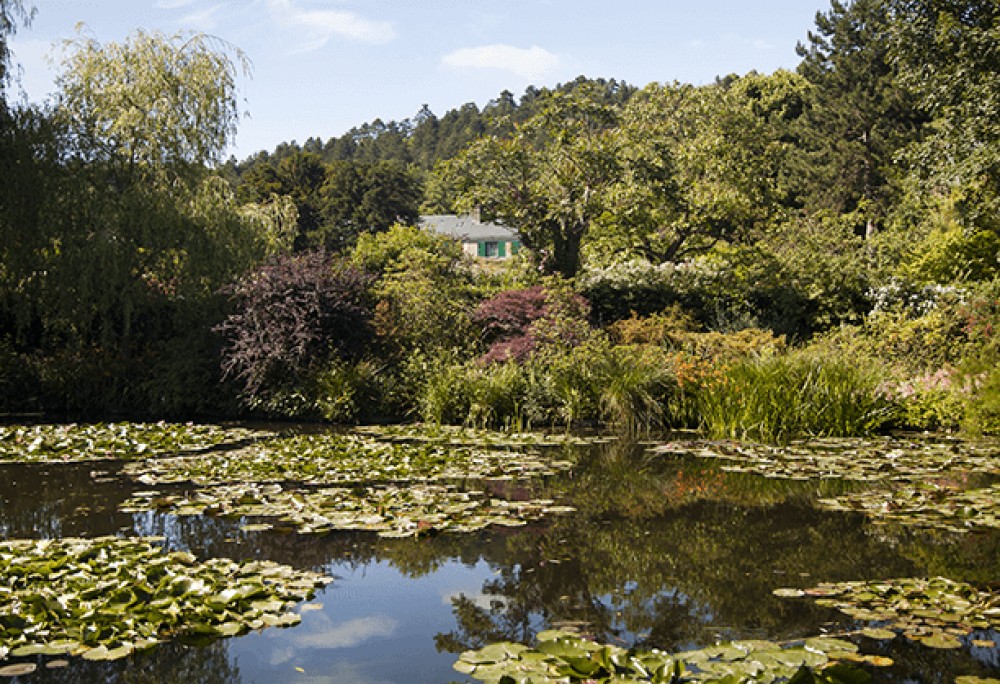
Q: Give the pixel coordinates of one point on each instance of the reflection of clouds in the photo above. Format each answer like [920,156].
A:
[320,632]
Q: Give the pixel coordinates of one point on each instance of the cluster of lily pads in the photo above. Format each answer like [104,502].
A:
[470,436]
[926,506]
[392,511]
[108,597]
[866,460]
[561,657]
[80,442]
[339,458]
[937,612]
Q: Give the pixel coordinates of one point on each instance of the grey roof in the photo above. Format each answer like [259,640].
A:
[466,228]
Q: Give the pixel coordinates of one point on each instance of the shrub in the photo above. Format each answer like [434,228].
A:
[293,317]
[518,323]
[983,413]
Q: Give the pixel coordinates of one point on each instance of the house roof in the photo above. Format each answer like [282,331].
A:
[466,228]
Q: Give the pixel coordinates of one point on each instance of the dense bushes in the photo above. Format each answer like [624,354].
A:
[295,316]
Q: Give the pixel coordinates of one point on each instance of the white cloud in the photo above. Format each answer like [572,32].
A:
[533,63]
[320,25]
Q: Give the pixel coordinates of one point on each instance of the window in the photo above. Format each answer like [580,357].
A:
[492,249]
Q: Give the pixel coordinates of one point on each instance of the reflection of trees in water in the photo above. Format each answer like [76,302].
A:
[972,557]
[164,664]
[653,558]
[60,500]
[668,553]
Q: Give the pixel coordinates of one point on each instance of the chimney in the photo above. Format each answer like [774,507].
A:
[477,213]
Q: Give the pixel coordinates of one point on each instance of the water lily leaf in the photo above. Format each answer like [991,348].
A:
[17,670]
[788,593]
[831,645]
[98,653]
[972,679]
[257,527]
[56,664]
[941,641]
[878,634]
[464,667]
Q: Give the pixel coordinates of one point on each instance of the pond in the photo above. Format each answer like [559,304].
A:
[673,548]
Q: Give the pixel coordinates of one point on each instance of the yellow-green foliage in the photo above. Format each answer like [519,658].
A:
[675,330]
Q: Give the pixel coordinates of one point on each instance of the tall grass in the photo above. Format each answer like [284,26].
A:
[775,399]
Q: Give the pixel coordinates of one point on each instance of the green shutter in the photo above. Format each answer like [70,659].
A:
[501,249]
[481,246]
[515,247]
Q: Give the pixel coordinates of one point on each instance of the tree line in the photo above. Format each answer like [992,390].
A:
[140,268]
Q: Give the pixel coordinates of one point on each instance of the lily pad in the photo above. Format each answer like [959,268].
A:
[941,641]
[391,511]
[17,670]
[80,442]
[883,459]
[878,633]
[564,657]
[934,611]
[115,596]
[336,458]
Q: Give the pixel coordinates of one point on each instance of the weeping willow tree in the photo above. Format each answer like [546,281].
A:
[129,227]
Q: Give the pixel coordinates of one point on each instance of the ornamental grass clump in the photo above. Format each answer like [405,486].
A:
[775,399]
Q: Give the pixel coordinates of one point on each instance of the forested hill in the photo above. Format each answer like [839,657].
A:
[426,138]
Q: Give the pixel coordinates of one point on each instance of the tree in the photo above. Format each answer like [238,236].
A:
[153,101]
[11,12]
[135,227]
[699,165]
[861,117]
[547,179]
[361,198]
[293,317]
[946,52]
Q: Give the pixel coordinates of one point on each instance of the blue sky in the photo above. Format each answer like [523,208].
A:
[323,66]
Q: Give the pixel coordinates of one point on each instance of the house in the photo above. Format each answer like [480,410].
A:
[479,239]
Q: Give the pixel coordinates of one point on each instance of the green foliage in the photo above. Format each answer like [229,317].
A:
[545,179]
[945,52]
[566,657]
[950,252]
[859,118]
[779,398]
[983,414]
[696,168]
[180,106]
[630,389]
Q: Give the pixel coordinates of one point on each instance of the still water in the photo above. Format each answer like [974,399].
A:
[661,553]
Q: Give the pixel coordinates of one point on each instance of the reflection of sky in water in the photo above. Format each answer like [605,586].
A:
[374,626]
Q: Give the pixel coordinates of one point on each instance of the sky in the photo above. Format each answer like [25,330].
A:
[321,67]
